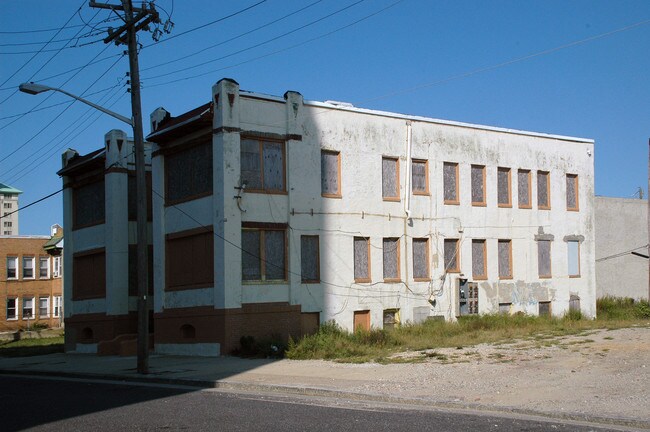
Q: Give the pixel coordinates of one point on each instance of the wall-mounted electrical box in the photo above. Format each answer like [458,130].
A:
[467,297]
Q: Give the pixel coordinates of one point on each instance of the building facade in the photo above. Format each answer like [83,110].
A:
[621,247]
[99,213]
[272,215]
[9,206]
[31,287]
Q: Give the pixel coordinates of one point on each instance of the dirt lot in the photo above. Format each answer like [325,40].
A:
[595,374]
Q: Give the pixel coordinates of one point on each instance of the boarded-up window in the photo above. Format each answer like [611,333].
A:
[133,200]
[133,269]
[390,178]
[543,190]
[572,192]
[478,185]
[361,259]
[89,205]
[452,255]
[361,320]
[188,173]
[189,256]
[264,254]
[330,171]
[505,259]
[391,319]
[391,259]
[262,165]
[479,264]
[544,258]
[503,187]
[421,259]
[573,248]
[89,275]
[309,259]
[450,182]
[420,177]
[523,188]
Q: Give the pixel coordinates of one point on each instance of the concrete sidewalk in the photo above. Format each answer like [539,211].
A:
[404,384]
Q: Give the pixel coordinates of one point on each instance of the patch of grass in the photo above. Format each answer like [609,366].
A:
[333,343]
[32,347]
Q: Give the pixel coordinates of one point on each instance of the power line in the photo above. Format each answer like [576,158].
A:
[58,28]
[207,24]
[31,204]
[233,38]
[258,44]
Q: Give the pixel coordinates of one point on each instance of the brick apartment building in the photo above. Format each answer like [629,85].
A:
[31,280]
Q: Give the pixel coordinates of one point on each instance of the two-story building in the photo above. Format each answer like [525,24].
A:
[273,214]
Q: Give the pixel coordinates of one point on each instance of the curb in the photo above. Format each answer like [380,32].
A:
[337,394]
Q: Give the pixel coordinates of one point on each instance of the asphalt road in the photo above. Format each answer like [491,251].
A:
[79,405]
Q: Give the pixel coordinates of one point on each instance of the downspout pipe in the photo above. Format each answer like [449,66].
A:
[407,192]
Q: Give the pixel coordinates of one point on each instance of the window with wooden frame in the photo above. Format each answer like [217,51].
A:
[421,259]
[479,259]
[572,192]
[263,165]
[478,185]
[505,259]
[189,259]
[450,183]
[88,205]
[523,189]
[420,177]
[188,173]
[89,275]
[390,178]
[452,255]
[573,258]
[362,259]
[543,190]
[264,252]
[391,254]
[330,174]
[309,259]
[504,190]
[544,258]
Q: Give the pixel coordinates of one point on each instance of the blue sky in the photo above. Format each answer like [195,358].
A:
[575,68]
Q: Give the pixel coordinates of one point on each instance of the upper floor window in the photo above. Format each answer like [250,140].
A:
[28,307]
[189,257]
[390,178]
[188,173]
[573,248]
[12,266]
[420,177]
[263,165]
[43,267]
[544,258]
[28,267]
[12,308]
[450,182]
[572,192]
[543,190]
[88,205]
[56,267]
[7,205]
[504,194]
[8,224]
[56,307]
[523,188]
[478,185]
[43,307]
[330,171]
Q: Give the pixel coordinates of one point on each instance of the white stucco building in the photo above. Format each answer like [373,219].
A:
[274,214]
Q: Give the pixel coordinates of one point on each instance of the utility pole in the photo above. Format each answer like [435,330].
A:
[136,19]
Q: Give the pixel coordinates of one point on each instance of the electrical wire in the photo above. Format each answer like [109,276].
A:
[31,204]
[231,39]
[258,44]
[620,254]
[57,28]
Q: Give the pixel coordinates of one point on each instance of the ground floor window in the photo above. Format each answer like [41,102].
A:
[12,308]
[43,307]
[56,307]
[28,307]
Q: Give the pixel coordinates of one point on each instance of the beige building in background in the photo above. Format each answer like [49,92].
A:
[621,247]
